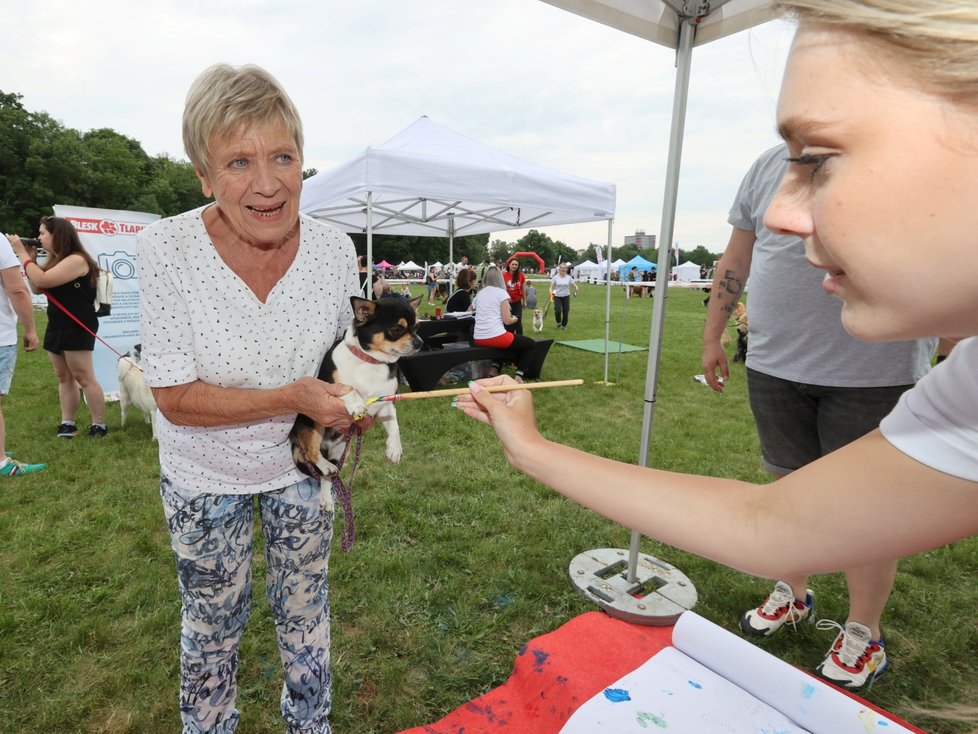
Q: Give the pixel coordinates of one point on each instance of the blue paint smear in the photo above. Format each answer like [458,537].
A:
[539,660]
[695,685]
[807,690]
[616,695]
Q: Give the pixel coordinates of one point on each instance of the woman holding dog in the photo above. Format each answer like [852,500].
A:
[492,316]
[878,108]
[239,302]
[69,275]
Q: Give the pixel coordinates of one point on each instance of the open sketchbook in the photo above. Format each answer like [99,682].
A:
[712,681]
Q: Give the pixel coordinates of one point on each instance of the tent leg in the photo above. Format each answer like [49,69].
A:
[619,602]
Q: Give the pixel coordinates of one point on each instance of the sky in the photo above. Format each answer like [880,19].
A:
[522,76]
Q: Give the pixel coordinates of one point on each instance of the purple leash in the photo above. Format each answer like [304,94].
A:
[344,492]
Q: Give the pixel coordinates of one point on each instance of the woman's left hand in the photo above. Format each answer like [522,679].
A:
[18,246]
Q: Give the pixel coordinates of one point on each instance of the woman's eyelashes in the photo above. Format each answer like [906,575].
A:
[813,162]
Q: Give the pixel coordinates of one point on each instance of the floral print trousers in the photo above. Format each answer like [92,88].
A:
[212,536]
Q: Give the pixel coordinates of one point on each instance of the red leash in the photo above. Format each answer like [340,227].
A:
[74,318]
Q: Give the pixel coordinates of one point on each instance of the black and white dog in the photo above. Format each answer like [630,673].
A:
[365,358]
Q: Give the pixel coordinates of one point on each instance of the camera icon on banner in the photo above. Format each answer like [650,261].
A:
[120,263]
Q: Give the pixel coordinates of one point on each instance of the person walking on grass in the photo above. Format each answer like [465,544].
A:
[15,303]
[70,275]
[560,292]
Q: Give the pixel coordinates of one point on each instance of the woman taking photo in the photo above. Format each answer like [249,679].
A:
[69,276]
[492,316]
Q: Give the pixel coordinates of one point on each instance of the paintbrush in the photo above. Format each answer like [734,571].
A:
[465,390]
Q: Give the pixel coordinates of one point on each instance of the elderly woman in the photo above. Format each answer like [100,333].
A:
[227,296]
[879,113]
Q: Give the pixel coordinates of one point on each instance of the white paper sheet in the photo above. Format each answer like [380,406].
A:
[713,682]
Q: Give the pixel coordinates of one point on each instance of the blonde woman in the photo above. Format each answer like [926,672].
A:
[878,109]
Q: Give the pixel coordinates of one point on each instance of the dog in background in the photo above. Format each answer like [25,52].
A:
[739,316]
[538,320]
[132,388]
[365,358]
[741,324]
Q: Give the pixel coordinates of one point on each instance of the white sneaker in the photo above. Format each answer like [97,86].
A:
[855,660]
[778,609]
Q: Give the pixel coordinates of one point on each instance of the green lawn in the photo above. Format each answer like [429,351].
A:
[459,559]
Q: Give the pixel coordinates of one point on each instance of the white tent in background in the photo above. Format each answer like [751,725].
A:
[679,25]
[409,265]
[687,271]
[588,269]
[431,180]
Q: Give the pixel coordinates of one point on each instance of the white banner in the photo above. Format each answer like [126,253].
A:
[110,237]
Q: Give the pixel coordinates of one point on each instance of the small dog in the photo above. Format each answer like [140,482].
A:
[538,320]
[365,358]
[132,388]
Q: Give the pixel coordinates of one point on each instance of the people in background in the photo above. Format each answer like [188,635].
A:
[69,277]
[492,316]
[461,298]
[560,291]
[515,283]
[15,303]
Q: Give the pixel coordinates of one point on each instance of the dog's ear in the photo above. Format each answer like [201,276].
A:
[363,310]
[415,302]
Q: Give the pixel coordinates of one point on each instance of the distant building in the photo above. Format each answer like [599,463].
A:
[641,240]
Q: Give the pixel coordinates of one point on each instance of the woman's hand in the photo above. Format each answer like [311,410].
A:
[323,402]
[509,413]
[20,250]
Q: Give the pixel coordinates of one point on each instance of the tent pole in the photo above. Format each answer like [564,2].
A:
[607,303]
[683,63]
[451,248]
[370,247]
[603,575]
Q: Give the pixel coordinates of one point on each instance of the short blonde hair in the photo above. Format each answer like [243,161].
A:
[225,98]
[936,41]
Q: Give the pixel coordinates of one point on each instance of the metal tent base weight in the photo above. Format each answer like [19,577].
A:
[657,596]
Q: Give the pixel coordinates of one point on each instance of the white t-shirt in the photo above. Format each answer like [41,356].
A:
[796,330]
[561,285]
[8,317]
[488,312]
[199,321]
[936,422]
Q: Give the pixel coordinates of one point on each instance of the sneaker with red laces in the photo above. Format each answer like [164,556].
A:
[780,608]
[855,660]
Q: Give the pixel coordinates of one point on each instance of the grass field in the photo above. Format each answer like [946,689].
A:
[459,559]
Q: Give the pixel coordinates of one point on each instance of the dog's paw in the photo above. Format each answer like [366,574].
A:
[354,404]
[394,452]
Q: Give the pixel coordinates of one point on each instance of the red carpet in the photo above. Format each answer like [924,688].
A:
[556,673]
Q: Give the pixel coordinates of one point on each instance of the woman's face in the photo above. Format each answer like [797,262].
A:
[886,192]
[256,177]
[46,239]
[513,266]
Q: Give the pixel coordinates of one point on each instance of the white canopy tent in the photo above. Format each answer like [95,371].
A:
[409,265]
[687,271]
[588,269]
[680,25]
[431,180]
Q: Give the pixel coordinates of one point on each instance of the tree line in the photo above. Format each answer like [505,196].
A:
[43,163]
